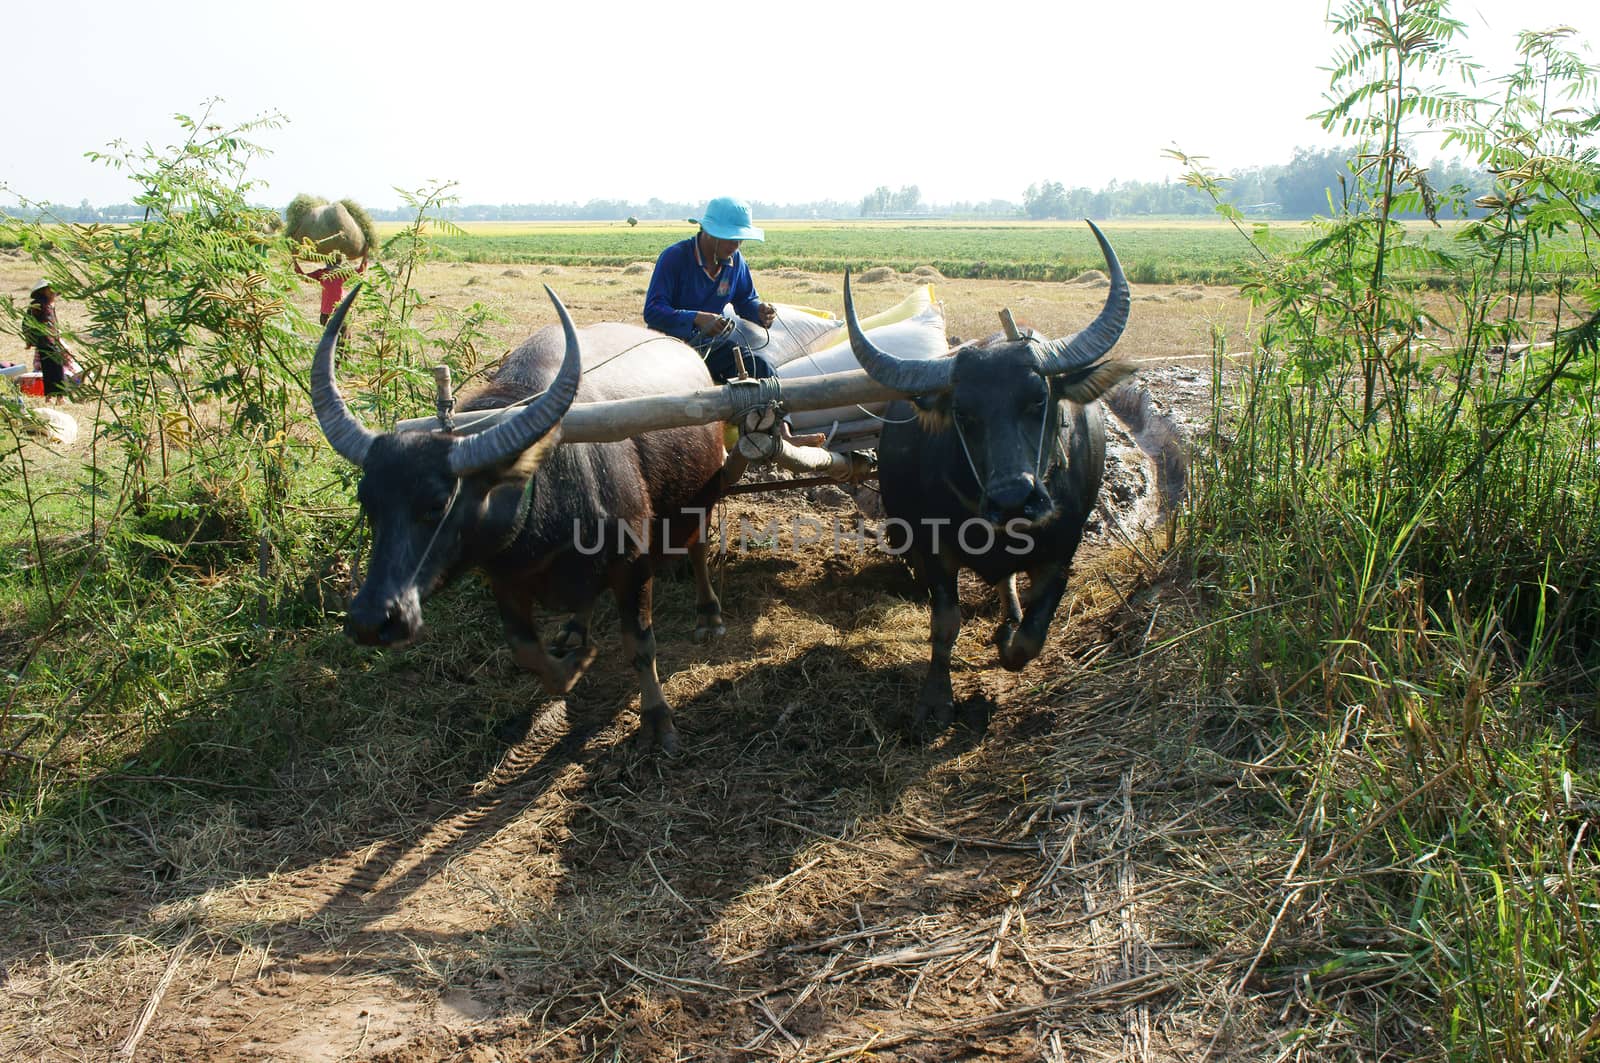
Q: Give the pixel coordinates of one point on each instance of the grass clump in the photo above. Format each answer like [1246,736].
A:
[159,649]
[1399,539]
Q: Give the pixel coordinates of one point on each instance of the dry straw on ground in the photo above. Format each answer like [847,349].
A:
[1098,874]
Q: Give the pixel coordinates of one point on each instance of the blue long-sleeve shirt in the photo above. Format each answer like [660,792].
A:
[680,288]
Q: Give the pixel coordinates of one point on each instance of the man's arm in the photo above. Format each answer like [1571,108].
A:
[659,313]
[746,303]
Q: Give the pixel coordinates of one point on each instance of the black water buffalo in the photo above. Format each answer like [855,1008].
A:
[551,526]
[996,472]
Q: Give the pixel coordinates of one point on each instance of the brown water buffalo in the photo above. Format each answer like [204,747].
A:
[551,525]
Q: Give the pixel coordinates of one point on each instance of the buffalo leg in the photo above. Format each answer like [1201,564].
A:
[936,701]
[574,635]
[634,603]
[1023,642]
[708,609]
[558,675]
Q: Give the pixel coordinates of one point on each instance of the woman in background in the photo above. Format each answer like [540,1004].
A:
[41,332]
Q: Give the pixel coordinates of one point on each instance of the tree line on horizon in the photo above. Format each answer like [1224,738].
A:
[1299,188]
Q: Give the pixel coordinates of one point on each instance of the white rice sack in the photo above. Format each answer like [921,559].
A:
[919,336]
[916,302]
[794,331]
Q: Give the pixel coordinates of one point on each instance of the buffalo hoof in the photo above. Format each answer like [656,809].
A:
[709,632]
[708,622]
[569,669]
[656,730]
[932,716]
[1015,648]
[571,638]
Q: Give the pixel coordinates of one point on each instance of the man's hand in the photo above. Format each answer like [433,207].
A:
[767,314]
[711,324]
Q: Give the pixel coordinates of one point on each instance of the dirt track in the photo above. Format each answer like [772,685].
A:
[803,882]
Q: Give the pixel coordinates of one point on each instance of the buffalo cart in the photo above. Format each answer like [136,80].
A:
[752,408]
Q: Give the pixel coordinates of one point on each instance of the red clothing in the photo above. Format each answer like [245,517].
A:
[331,278]
[332,282]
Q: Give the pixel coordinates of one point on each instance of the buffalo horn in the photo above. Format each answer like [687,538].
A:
[348,437]
[909,375]
[510,438]
[1062,355]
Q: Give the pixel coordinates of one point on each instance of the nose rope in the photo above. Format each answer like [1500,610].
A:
[983,485]
[1040,469]
[450,504]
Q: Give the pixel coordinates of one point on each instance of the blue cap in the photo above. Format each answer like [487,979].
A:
[727,218]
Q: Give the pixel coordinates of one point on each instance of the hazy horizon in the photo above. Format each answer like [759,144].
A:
[629,101]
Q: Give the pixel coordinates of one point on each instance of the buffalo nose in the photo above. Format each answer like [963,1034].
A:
[1007,497]
[1020,497]
[373,625]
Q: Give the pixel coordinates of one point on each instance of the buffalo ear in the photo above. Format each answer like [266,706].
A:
[1085,385]
[524,465]
[933,411]
[505,505]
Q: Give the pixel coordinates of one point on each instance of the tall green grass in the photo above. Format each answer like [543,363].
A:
[154,623]
[1406,539]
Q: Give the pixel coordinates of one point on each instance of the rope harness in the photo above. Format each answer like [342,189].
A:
[450,504]
[1040,468]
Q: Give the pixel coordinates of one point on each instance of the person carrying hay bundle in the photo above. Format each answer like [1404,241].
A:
[332,277]
[336,232]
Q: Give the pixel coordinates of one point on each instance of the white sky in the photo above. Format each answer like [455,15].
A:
[583,99]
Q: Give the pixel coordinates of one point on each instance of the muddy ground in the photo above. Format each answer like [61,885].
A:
[1066,875]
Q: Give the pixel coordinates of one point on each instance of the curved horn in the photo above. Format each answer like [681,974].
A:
[910,375]
[1094,341]
[510,438]
[348,437]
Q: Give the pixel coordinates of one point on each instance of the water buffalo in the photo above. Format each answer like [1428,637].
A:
[551,526]
[996,472]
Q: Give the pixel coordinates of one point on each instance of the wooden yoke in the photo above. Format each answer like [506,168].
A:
[608,422]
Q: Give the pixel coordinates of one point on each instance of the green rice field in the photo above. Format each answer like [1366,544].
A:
[1153,252]
[1170,252]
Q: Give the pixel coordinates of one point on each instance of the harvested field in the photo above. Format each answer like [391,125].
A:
[803,882]
[501,875]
